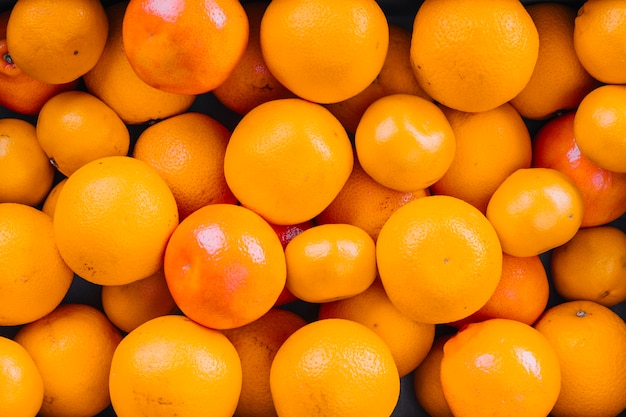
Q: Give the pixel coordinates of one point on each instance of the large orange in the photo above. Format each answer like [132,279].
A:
[22,386]
[225,266]
[473,55]
[184,47]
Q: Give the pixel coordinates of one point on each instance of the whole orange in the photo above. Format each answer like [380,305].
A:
[427,381]
[22,386]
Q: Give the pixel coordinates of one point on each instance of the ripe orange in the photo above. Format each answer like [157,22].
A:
[22,386]
[490,145]
[408,340]
[224,266]
[287,160]
[56,42]
[34,278]
[26,173]
[404,142]
[72,347]
[324,51]
[173,366]
[365,203]
[330,262]
[251,82]
[600,39]
[334,367]
[50,203]
[187,150]
[590,341]
[535,210]
[559,81]
[439,259]
[473,55]
[75,127]
[114,81]
[184,47]
[113,219]
[591,266]
[427,381]
[500,367]
[257,344]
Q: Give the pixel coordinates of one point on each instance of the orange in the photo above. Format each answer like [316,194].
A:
[184,47]
[287,160]
[330,262]
[224,266]
[257,344]
[603,191]
[522,293]
[396,76]
[50,203]
[473,55]
[113,219]
[75,127]
[172,366]
[590,341]
[187,150]
[334,367]
[600,39]
[35,279]
[592,266]
[490,145]
[130,305]
[599,125]
[408,340]
[251,82]
[535,210]
[500,367]
[26,173]
[559,81]
[72,347]
[365,203]
[324,51]
[22,386]
[427,381]
[439,259]
[404,142]
[56,42]
[114,81]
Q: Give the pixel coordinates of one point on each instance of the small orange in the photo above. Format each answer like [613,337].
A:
[287,160]
[427,381]
[22,386]
[224,266]
[50,203]
[113,219]
[114,81]
[257,344]
[473,55]
[600,39]
[72,347]
[590,341]
[34,278]
[334,367]
[592,266]
[56,42]
[408,340]
[26,173]
[599,125]
[173,366]
[365,203]
[324,51]
[405,142]
[535,210]
[75,127]
[184,47]
[187,150]
[490,145]
[439,259]
[500,367]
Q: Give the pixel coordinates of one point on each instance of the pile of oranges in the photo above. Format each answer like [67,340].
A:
[313,208]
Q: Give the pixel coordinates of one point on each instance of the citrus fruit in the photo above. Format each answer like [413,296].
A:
[22,386]
[171,365]
[224,266]
[427,381]
[50,203]
[439,259]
